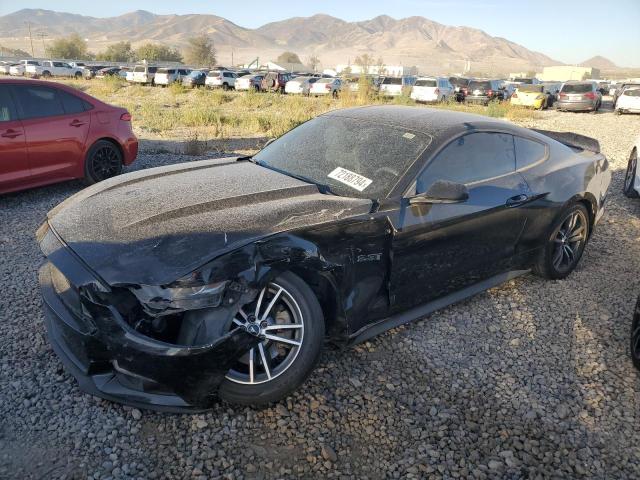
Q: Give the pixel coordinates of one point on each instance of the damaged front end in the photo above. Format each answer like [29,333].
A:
[164,347]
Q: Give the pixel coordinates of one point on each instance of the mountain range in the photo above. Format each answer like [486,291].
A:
[431,46]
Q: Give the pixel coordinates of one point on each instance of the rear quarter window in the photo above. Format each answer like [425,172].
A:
[71,103]
[528,152]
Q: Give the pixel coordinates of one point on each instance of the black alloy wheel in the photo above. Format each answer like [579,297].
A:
[630,175]
[565,245]
[104,160]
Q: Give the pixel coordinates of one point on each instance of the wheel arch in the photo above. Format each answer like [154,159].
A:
[110,140]
[325,288]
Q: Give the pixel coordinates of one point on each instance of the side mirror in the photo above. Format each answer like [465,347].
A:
[442,191]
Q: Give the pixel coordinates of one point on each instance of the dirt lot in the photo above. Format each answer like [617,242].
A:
[528,380]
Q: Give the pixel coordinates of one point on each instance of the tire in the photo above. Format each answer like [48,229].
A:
[104,160]
[555,261]
[630,175]
[225,87]
[77,75]
[46,74]
[237,387]
[334,94]
[635,336]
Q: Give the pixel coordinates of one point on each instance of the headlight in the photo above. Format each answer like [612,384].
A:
[179,296]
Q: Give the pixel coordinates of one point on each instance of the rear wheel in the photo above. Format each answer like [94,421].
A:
[287,317]
[630,175]
[565,245]
[46,74]
[78,75]
[103,161]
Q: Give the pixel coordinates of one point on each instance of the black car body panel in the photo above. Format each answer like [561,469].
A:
[373,263]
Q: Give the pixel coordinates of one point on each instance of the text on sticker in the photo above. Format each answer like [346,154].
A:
[350,178]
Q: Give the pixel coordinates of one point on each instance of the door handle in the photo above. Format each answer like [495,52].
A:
[517,200]
[76,123]
[10,133]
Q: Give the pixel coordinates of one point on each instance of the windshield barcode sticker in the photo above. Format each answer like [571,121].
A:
[350,178]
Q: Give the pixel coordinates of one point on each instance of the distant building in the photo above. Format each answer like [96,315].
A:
[272,66]
[389,70]
[562,73]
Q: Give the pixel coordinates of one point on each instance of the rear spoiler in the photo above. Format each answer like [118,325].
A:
[572,140]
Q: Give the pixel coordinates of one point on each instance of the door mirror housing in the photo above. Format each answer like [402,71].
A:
[442,191]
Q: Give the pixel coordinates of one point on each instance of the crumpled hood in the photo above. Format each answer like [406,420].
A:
[154,226]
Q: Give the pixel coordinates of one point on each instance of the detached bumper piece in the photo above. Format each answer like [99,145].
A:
[113,361]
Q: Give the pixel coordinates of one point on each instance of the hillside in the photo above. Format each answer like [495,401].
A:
[409,41]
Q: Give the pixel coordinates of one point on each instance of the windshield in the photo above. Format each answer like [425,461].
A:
[352,157]
[531,88]
[528,81]
[473,85]
[392,81]
[577,88]
[425,83]
[195,74]
[632,92]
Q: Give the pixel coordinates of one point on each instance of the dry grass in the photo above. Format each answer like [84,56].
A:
[180,113]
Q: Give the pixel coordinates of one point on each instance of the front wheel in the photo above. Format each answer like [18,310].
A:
[287,317]
[564,247]
[103,161]
[630,175]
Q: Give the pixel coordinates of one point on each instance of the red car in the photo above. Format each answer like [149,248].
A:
[51,133]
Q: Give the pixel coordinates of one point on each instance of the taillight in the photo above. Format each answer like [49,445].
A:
[436,91]
[490,92]
[515,95]
[125,117]
[590,95]
[563,94]
[328,86]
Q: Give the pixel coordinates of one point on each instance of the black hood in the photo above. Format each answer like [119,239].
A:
[154,226]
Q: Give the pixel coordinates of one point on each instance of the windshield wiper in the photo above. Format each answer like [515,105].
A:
[322,187]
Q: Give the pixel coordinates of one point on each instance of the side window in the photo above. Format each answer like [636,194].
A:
[528,152]
[7,109]
[470,158]
[37,102]
[71,103]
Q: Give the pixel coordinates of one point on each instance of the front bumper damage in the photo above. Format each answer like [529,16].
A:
[113,361]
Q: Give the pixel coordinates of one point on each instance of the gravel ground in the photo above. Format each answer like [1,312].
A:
[529,380]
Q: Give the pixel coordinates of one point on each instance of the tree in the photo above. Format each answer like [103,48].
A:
[314,61]
[288,57]
[364,62]
[72,47]
[200,51]
[154,52]
[117,52]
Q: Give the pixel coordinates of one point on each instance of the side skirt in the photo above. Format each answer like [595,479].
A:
[369,331]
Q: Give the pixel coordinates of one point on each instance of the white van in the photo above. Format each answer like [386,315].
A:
[432,89]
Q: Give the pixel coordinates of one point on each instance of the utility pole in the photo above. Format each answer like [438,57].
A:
[30,38]
[232,64]
[44,47]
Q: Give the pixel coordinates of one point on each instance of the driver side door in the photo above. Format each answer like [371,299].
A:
[440,248]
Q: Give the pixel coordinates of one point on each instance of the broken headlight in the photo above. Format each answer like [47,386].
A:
[179,296]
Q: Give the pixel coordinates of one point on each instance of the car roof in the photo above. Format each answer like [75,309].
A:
[437,123]
[59,86]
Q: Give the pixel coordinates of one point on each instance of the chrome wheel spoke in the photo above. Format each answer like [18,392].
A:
[283,327]
[260,302]
[277,339]
[238,322]
[265,365]
[270,306]
[251,365]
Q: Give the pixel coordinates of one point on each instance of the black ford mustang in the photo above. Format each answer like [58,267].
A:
[173,286]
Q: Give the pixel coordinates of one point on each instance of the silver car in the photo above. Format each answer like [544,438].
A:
[579,96]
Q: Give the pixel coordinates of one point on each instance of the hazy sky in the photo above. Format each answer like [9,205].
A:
[567,30]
